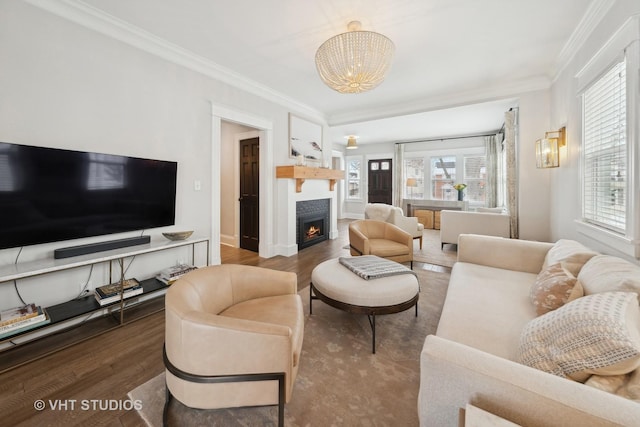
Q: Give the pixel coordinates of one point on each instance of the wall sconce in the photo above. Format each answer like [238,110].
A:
[548,148]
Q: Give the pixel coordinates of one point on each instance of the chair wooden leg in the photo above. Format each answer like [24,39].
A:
[420,242]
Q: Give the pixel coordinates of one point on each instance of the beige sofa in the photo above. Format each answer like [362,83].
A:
[472,358]
[455,223]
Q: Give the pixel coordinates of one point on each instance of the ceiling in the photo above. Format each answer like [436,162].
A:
[451,56]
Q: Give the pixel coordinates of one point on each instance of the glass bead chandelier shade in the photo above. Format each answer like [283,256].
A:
[356,61]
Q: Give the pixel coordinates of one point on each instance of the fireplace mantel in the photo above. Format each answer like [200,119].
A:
[300,173]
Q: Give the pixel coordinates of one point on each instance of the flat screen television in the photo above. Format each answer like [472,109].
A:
[49,194]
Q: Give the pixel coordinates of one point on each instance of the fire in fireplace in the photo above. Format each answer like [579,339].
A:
[312,230]
[313,222]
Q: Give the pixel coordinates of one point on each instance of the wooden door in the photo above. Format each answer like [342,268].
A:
[249,193]
[380,183]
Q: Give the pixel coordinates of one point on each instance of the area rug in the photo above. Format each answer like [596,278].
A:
[340,382]
[432,251]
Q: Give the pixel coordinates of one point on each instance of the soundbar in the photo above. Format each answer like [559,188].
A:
[91,248]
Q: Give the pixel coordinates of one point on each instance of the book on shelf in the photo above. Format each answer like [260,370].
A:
[18,314]
[40,319]
[173,273]
[131,292]
[169,281]
[107,291]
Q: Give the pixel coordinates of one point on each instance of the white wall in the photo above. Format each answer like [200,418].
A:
[66,86]
[533,183]
[564,185]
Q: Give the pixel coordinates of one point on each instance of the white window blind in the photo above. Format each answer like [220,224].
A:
[605,150]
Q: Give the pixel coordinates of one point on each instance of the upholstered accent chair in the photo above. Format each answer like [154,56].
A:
[394,215]
[233,337]
[371,237]
[488,222]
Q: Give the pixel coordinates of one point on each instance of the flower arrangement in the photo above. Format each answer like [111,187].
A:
[460,187]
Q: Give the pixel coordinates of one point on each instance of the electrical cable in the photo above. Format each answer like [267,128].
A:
[15,282]
[86,284]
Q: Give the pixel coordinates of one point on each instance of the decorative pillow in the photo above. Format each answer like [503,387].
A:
[553,288]
[573,254]
[604,273]
[596,334]
[490,210]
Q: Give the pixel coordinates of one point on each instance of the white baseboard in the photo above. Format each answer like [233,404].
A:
[229,240]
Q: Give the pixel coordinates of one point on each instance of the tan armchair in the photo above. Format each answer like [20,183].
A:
[233,337]
[371,237]
[395,216]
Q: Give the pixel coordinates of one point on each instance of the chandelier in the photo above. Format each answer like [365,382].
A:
[355,61]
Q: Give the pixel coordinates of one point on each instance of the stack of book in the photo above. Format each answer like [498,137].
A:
[171,274]
[108,294]
[20,319]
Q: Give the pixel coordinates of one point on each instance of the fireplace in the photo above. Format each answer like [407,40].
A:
[313,222]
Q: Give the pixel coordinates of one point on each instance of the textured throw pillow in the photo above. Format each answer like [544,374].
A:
[596,334]
[573,254]
[553,288]
[604,273]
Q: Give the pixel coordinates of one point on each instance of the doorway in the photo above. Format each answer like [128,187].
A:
[380,181]
[250,194]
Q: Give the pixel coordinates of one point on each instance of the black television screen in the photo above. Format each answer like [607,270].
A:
[50,195]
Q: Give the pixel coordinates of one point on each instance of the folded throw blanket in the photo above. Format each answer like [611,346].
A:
[373,267]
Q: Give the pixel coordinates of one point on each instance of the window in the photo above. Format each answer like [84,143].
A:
[354,178]
[475,174]
[443,177]
[608,88]
[432,174]
[605,152]
[414,174]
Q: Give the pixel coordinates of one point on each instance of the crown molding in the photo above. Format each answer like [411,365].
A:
[592,17]
[442,101]
[97,20]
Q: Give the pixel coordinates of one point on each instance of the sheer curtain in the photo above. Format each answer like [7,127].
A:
[399,175]
[510,136]
[492,148]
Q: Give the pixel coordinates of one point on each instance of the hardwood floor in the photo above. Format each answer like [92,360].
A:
[101,370]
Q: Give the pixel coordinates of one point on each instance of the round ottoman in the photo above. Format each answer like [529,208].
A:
[337,286]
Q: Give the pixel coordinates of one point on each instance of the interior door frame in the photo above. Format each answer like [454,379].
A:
[236,182]
[267,204]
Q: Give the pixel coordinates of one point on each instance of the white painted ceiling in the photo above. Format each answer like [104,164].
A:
[449,53]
